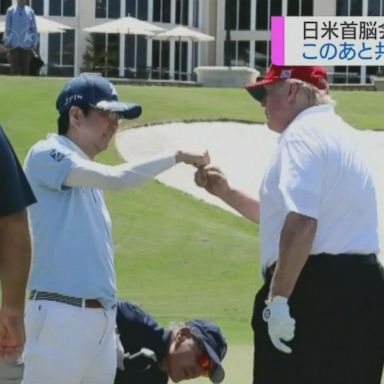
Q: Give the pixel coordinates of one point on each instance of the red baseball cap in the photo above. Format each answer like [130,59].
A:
[316,76]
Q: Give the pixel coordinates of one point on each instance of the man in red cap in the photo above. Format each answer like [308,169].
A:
[319,316]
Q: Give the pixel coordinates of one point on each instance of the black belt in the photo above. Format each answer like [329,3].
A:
[76,301]
[349,258]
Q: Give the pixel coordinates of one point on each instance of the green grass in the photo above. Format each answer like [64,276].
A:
[175,255]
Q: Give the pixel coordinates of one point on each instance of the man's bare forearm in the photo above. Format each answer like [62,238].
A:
[243,203]
[295,246]
[15,259]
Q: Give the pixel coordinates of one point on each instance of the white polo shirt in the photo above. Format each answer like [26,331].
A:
[318,170]
[71,227]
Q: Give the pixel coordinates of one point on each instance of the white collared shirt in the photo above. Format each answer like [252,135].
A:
[318,170]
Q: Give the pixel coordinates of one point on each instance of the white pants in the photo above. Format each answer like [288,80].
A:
[68,345]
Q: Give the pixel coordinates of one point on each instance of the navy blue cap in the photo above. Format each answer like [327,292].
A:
[214,343]
[95,91]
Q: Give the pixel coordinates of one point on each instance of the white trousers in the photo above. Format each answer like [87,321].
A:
[66,344]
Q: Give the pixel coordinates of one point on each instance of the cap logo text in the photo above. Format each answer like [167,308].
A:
[72,98]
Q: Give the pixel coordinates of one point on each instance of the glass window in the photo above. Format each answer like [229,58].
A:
[261,56]
[229,53]
[130,8]
[300,8]
[182,12]
[61,48]
[156,10]
[113,9]
[373,8]
[306,7]
[230,14]
[107,9]
[245,14]
[162,11]
[37,6]
[4,5]
[293,8]
[196,13]
[342,8]
[143,10]
[276,6]
[54,8]
[160,68]
[62,8]
[54,42]
[166,11]
[356,7]
[69,8]
[69,47]
[181,71]
[141,53]
[101,9]
[243,53]
[262,14]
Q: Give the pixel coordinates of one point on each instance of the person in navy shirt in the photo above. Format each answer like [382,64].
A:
[15,249]
[152,354]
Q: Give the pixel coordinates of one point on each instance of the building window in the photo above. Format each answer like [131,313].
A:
[135,61]
[196,22]
[61,53]
[62,8]
[137,8]
[262,49]
[160,59]
[300,8]
[236,53]
[4,5]
[349,8]
[182,12]
[37,6]
[262,14]
[107,9]
[162,11]
[375,7]
[275,10]
[238,14]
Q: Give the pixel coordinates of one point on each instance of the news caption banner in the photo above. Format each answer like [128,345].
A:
[327,41]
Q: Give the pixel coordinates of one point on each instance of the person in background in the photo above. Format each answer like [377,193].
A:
[20,37]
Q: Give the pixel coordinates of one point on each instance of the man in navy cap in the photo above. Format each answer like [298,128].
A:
[152,354]
[319,316]
[70,317]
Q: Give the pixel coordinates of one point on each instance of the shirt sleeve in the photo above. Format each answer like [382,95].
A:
[300,181]
[34,31]
[88,173]
[7,32]
[15,192]
[48,166]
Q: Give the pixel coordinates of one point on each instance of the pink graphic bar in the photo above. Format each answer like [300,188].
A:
[277,42]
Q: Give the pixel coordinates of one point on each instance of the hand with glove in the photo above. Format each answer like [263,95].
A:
[281,326]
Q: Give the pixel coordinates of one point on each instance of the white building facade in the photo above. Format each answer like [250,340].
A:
[241,29]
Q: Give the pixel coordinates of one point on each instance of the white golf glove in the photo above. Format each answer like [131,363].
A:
[281,326]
